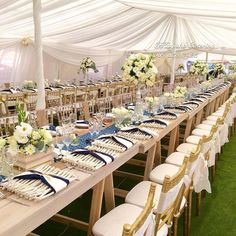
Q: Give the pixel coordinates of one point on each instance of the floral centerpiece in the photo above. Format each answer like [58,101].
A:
[178,95]
[116,77]
[122,116]
[180,67]
[29,141]
[219,69]
[86,64]
[199,68]
[151,103]
[29,84]
[28,144]
[206,84]
[57,82]
[140,69]
[232,68]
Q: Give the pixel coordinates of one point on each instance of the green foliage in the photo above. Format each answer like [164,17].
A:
[22,116]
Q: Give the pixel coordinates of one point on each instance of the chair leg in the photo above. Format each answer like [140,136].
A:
[185,224]
[198,203]
[175,225]
[190,199]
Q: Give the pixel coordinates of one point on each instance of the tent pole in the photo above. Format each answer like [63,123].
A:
[172,77]
[39,73]
[206,57]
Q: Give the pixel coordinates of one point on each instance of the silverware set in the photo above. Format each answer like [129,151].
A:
[154,125]
[134,136]
[32,189]
[105,150]
[109,144]
[83,162]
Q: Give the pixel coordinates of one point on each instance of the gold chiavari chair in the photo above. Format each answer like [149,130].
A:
[81,95]
[103,92]
[65,112]
[53,98]
[127,219]
[167,199]
[92,94]
[103,105]
[7,125]
[11,100]
[127,98]
[31,100]
[68,96]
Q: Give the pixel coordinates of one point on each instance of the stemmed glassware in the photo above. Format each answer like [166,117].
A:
[11,159]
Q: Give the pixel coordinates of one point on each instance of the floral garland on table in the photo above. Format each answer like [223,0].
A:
[87,63]
[198,68]
[140,68]
[219,68]
[29,84]
[27,141]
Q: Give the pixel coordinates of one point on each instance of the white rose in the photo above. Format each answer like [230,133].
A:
[30,149]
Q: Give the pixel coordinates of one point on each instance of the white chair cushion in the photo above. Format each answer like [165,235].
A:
[158,174]
[194,139]
[139,193]
[187,148]
[209,122]
[204,126]
[176,158]
[112,223]
[214,118]
[201,132]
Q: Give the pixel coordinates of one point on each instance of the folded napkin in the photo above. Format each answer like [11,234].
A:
[120,140]
[186,107]
[166,115]
[136,129]
[159,122]
[54,182]
[104,157]
[82,124]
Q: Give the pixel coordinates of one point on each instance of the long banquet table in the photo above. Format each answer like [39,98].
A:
[21,218]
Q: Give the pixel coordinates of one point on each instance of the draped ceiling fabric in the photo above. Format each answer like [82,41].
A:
[106,30]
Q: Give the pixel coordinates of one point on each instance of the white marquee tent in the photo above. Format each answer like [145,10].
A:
[109,29]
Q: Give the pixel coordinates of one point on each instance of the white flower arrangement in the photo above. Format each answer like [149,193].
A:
[46,83]
[57,82]
[140,68]
[87,63]
[29,84]
[151,99]
[219,68]
[198,68]
[27,141]
[116,77]
[180,67]
[232,68]
[179,92]
[206,84]
[122,116]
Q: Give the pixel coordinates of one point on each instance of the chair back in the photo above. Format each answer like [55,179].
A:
[171,196]
[142,222]
[7,125]
[53,98]
[31,100]
[68,96]
[11,101]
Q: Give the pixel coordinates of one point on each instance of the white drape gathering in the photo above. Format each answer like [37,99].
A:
[106,30]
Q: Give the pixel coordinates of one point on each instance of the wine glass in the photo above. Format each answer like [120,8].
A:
[67,140]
